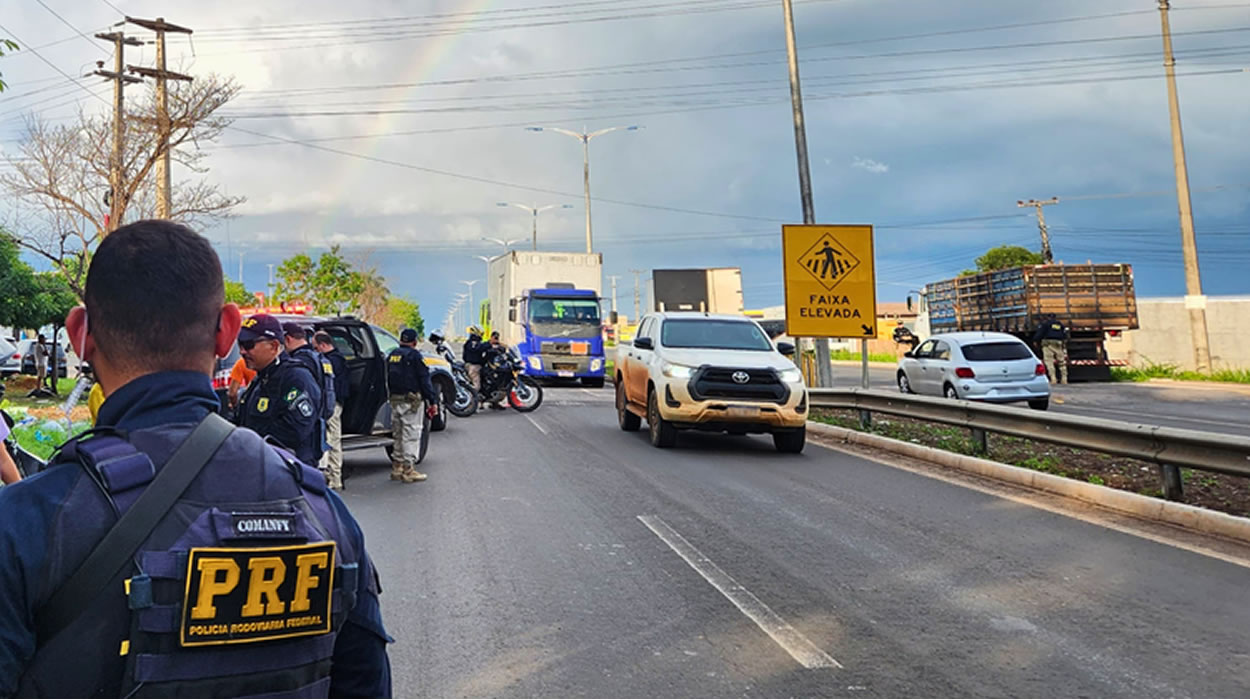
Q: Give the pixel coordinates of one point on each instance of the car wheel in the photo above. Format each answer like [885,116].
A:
[628,421]
[1039,404]
[790,442]
[949,392]
[663,434]
[904,386]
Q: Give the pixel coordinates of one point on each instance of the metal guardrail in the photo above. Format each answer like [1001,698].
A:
[1169,448]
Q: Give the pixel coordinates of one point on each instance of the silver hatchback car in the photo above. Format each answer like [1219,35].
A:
[976,366]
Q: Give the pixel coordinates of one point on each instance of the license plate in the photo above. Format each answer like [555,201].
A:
[564,373]
[743,412]
[580,348]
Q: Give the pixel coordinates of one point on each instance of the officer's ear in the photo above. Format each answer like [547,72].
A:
[79,336]
[228,322]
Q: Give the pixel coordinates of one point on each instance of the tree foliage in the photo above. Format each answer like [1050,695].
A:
[400,313]
[1003,257]
[236,293]
[59,175]
[329,286]
[10,45]
[30,299]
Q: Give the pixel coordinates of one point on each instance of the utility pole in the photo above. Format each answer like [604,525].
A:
[1195,302]
[613,279]
[824,364]
[163,127]
[637,296]
[270,266]
[469,312]
[120,80]
[241,267]
[1047,256]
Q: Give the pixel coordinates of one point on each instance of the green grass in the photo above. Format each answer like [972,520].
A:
[854,356]
[1153,371]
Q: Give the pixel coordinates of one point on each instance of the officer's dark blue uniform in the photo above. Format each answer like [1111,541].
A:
[284,403]
[342,382]
[54,519]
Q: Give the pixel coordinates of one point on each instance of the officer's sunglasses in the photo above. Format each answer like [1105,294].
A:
[249,344]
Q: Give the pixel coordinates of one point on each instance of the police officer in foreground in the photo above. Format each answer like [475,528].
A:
[332,460]
[408,380]
[281,598]
[283,402]
[1053,336]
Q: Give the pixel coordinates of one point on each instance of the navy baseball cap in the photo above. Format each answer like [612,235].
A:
[260,327]
[408,336]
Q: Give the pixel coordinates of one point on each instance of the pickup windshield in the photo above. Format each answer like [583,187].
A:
[715,335]
[997,352]
[564,318]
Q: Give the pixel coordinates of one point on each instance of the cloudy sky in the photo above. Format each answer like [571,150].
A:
[395,128]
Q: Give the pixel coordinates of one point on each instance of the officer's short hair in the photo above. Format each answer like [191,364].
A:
[322,338]
[154,296]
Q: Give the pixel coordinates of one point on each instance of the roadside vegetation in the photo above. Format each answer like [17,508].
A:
[854,356]
[1164,371]
[1214,491]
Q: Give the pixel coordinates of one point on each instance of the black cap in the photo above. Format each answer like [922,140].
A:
[260,327]
[293,330]
[408,336]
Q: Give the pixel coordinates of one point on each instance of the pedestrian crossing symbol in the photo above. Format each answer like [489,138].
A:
[830,280]
[828,261]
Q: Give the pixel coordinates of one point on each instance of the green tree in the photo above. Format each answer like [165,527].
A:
[401,312]
[1003,257]
[236,293]
[330,285]
[6,44]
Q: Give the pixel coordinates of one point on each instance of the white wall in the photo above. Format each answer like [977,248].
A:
[1164,338]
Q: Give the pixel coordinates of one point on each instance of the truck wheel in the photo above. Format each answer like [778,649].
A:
[1039,404]
[628,421]
[592,382]
[663,434]
[790,442]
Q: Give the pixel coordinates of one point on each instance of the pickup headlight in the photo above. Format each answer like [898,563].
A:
[791,376]
[595,364]
[536,362]
[677,371]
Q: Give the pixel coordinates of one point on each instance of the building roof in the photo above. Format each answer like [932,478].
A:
[894,308]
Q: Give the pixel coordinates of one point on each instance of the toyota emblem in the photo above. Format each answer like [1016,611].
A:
[741,377]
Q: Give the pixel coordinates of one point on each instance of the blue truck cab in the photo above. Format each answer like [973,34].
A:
[563,333]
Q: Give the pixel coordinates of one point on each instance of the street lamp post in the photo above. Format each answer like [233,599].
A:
[534,211]
[585,137]
[470,284]
[507,245]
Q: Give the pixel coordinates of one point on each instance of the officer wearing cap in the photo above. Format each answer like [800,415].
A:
[408,381]
[283,403]
[308,357]
[164,502]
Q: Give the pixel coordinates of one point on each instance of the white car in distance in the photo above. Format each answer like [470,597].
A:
[975,366]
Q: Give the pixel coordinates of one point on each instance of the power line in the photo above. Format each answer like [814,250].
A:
[66,23]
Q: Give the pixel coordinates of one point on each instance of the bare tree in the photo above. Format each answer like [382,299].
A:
[60,175]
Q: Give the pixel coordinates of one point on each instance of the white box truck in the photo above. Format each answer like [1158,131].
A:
[716,290]
[548,306]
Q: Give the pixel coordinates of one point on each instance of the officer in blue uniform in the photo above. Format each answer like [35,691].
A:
[165,502]
[283,402]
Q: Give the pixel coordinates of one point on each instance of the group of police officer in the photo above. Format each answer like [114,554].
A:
[298,395]
[166,552]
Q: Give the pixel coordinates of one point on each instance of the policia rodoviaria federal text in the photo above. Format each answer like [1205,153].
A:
[231,570]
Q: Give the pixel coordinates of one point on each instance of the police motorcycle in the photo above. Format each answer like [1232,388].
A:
[466,399]
[503,376]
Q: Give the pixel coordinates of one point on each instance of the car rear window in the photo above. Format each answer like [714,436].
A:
[997,352]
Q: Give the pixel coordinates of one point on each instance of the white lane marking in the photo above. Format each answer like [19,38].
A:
[536,425]
[788,638]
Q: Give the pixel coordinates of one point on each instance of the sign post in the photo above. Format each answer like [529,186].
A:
[831,284]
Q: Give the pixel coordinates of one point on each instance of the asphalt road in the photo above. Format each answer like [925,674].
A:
[1189,405]
[555,555]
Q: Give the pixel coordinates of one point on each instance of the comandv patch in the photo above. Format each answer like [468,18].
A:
[236,595]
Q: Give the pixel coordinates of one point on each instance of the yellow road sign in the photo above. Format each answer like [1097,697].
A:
[830,277]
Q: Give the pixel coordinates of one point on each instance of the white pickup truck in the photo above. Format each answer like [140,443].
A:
[713,372]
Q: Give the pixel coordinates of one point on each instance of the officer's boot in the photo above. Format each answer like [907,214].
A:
[411,475]
[397,471]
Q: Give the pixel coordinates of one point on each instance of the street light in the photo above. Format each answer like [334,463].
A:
[470,312]
[535,211]
[506,244]
[585,138]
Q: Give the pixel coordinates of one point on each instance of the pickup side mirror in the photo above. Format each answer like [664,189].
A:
[512,301]
[785,348]
[644,344]
[512,315]
[909,354]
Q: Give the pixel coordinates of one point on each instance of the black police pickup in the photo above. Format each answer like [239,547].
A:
[367,414]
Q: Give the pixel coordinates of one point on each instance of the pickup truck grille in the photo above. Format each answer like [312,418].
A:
[718,383]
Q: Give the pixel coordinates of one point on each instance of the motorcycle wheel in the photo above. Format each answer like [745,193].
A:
[526,395]
[465,404]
